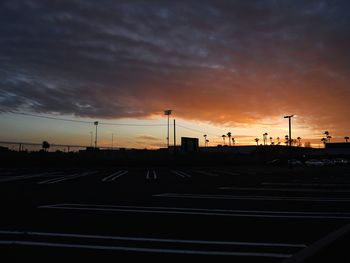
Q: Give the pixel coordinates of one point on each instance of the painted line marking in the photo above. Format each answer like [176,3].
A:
[247,197]
[163,240]
[148,250]
[181,174]
[154,175]
[28,176]
[284,189]
[306,184]
[195,211]
[114,176]
[67,177]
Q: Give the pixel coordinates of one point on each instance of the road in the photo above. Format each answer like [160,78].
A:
[249,214]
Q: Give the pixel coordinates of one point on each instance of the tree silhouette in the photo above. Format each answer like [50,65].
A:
[278,140]
[233,141]
[271,142]
[329,138]
[287,140]
[229,138]
[265,137]
[324,140]
[45,145]
[299,141]
[224,137]
[257,141]
[205,140]
[346,138]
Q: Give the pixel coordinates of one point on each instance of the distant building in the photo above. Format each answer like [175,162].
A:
[189,144]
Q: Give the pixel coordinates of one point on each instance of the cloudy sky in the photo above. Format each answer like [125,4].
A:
[238,65]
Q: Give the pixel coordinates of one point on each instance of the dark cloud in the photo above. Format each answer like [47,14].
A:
[220,61]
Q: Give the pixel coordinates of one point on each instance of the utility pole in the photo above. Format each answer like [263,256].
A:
[91,133]
[174,136]
[112,140]
[168,113]
[289,117]
[96,123]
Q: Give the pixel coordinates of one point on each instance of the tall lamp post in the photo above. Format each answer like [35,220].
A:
[91,133]
[289,117]
[96,123]
[168,113]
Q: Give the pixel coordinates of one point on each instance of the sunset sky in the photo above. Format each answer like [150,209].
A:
[221,66]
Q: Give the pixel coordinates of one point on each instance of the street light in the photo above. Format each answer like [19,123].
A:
[112,140]
[91,133]
[289,117]
[96,123]
[168,113]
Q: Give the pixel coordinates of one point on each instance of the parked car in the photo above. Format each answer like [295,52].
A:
[274,161]
[340,161]
[294,162]
[327,162]
[314,162]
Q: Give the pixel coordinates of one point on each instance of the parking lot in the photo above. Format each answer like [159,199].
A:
[261,214]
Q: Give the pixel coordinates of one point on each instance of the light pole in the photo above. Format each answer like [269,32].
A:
[96,123]
[289,117]
[91,133]
[168,113]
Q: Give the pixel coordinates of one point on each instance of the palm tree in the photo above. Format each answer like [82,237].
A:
[224,137]
[299,141]
[346,138]
[278,140]
[329,138]
[287,140]
[205,140]
[233,141]
[324,140]
[229,138]
[45,145]
[265,137]
[257,141]
[271,142]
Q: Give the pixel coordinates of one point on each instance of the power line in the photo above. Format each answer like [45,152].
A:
[49,117]
[86,122]
[195,130]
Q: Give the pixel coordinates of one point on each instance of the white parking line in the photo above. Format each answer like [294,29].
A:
[308,184]
[28,176]
[114,176]
[201,212]
[148,177]
[284,189]
[148,250]
[249,197]
[162,240]
[182,174]
[65,178]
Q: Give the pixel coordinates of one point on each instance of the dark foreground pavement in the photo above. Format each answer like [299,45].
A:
[246,214]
